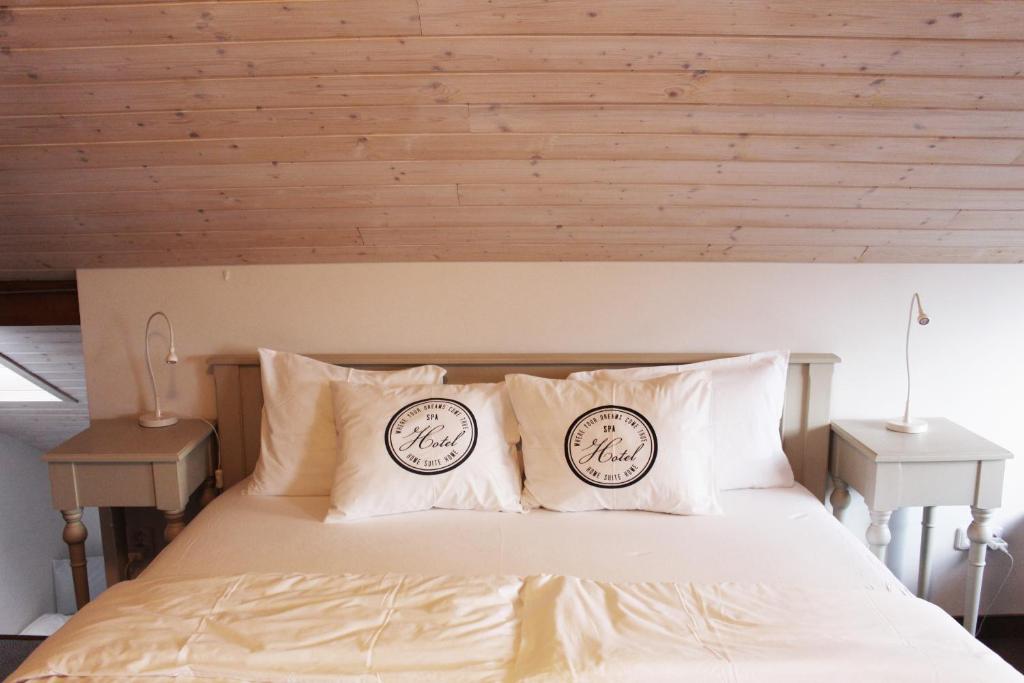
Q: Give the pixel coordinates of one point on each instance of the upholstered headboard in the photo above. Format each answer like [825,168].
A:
[805,422]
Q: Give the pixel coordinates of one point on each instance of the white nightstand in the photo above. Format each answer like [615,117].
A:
[117,463]
[947,465]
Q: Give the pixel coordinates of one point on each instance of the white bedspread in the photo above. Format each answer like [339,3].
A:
[314,627]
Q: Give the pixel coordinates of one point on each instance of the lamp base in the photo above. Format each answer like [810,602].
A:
[154,420]
[909,426]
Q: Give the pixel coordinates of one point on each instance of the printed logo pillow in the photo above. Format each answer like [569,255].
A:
[617,445]
[402,449]
[297,436]
[747,396]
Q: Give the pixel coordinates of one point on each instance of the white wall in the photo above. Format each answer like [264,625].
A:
[968,361]
[30,536]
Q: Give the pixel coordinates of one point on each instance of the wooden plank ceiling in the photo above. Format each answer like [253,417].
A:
[168,132]
[54,353]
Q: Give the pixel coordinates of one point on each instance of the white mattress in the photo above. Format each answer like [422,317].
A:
[258,588]
[771,536]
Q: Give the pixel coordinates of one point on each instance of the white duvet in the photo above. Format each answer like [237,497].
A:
[393,627]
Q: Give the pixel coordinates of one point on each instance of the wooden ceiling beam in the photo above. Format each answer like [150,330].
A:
[688,87]
[207,22]
[615,119]
[24,303]
[400,217]
[978,19]
[519,146]
[515,252]
[434,54]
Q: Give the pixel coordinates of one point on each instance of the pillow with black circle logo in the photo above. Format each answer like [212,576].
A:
[410,448]
[747,396]
[644,445]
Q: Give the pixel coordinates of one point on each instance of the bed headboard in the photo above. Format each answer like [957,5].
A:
[805,421]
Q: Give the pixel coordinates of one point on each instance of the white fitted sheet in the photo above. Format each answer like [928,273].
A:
[770,536]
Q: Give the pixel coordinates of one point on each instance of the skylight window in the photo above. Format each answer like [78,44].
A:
[18,385]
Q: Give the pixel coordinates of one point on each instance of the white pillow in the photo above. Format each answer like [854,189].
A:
[297,439]
[617,445]
[746,410]
[402,449]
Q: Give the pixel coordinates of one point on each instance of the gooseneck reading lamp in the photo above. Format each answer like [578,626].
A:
[907,424]
[158,418]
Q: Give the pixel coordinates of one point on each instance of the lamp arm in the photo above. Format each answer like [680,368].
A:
[149,363]
[906,349]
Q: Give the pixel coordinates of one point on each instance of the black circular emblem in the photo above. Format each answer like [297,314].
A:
[431,436]
[611,447]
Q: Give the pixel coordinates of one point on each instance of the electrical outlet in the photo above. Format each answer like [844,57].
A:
[142,542]
[961,542]
[140,550]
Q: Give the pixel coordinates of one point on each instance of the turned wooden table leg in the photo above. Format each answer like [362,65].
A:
[924,568]
[75,534]
[840,497]
[175,523]
[879,535]
[979,534]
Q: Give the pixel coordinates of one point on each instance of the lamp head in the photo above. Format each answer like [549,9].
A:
[172,357]
[922,317]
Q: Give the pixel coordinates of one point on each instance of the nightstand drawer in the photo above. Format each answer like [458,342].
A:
[76,485]
[164,485]
[920,484]
[891,485]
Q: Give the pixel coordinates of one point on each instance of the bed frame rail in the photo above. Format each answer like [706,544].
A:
[805,420]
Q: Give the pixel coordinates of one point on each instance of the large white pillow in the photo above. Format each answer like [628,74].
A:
[746,410]
[402,449]
[297,439]
[617,445]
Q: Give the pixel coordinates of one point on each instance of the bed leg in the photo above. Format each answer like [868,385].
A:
[840,497]
[75,534]
[879,535]
[979,534]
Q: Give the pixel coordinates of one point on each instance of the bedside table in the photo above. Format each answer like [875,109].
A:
[947,465]
[117,463]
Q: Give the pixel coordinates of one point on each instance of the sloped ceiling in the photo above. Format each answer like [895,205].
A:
[53,353]
[172,133]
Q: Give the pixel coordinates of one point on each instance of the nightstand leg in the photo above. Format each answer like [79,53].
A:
[75,534]
[840,497]
[924,568]
[878,534]
[979,534]
[175,523]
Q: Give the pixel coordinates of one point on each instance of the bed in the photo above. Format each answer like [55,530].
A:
[258,588]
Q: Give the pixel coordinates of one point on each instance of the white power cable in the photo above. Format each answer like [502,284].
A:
[1004,549]
[218,473]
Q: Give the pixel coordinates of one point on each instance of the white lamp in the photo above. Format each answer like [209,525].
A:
[158,418]
[907,424]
